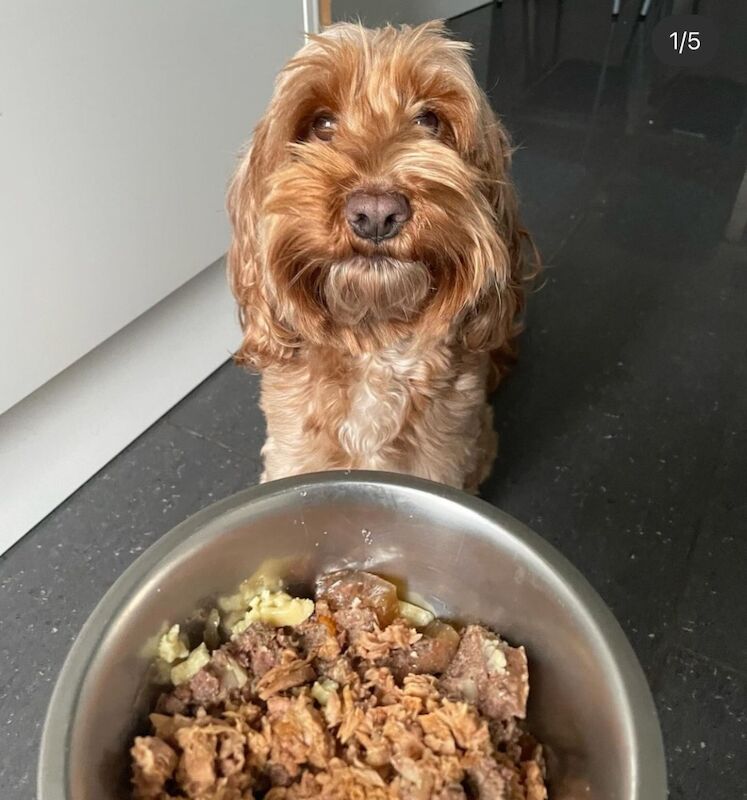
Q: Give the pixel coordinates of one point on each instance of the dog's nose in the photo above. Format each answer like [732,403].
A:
[376,216]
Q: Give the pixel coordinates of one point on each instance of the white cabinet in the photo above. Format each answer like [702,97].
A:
[120,124]
[119,127]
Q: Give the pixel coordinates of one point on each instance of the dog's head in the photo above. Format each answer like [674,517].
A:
[375,201]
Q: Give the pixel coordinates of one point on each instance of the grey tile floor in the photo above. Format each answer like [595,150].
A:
[623,430]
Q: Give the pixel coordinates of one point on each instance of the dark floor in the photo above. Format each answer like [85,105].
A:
[623,430]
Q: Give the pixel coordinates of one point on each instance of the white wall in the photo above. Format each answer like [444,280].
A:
[119,126]
[413,12]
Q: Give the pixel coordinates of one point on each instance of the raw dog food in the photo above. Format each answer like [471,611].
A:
[356,695]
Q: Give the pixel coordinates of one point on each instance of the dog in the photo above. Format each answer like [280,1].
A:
[377,258]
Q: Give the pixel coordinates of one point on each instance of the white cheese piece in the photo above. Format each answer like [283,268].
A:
[171,648]
[185,671]
[277,609]
[415,615]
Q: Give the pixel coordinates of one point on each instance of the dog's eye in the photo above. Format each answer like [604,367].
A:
[323,127]
[427,119]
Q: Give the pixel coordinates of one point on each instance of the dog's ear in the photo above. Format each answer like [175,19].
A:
[266,340]
[493,322]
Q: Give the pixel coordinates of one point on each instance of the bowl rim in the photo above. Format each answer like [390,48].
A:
[648,767]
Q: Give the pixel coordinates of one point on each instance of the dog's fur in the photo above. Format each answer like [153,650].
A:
[378,356]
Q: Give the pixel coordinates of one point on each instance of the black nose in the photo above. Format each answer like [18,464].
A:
[376,216]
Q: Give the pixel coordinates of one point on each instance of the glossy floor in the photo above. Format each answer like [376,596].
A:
[623,429]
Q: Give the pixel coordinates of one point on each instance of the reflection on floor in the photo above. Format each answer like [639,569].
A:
[622,431]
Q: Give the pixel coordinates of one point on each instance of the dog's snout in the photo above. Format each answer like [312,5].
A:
[377,216]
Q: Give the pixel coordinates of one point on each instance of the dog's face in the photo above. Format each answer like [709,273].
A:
[375,201]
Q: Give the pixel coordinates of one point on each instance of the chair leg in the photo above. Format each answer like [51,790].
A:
[616,7]
[645,8]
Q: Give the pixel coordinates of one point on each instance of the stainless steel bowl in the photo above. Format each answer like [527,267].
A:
[589,700]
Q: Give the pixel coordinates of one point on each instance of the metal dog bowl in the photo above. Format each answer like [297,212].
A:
[589,701]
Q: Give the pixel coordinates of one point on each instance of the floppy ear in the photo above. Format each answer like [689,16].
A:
[494,321]
[266,339]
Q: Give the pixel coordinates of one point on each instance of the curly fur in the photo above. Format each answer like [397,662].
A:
[378,356]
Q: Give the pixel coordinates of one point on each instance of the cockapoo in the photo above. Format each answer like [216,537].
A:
[377,258]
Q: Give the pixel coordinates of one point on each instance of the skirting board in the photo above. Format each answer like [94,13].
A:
[58,437]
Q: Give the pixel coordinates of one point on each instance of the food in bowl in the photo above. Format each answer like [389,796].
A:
[356,694]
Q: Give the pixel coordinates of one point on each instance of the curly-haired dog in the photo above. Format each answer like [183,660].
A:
[376,258]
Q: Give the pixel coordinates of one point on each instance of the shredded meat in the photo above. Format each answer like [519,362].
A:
[290,672]
[297,734]
[354,622]
[378,643]
[534,780]
[351,703]
[153,763]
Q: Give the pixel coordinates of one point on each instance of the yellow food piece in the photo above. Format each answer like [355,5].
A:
[266,578]
[415,615]
[322,690]
[171,648]
[185,671]
[276,609]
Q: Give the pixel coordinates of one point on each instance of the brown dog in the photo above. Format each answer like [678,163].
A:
[377,258]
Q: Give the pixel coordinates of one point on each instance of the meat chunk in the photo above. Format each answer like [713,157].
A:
[258,648]
[487,672]
[209,687]
[431,653]
[491,780]
[206,689]
[436,650]
[153,763]
[318,638]
[351,588]
[177,701]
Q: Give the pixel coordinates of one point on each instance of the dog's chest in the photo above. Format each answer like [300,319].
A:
[379,396]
